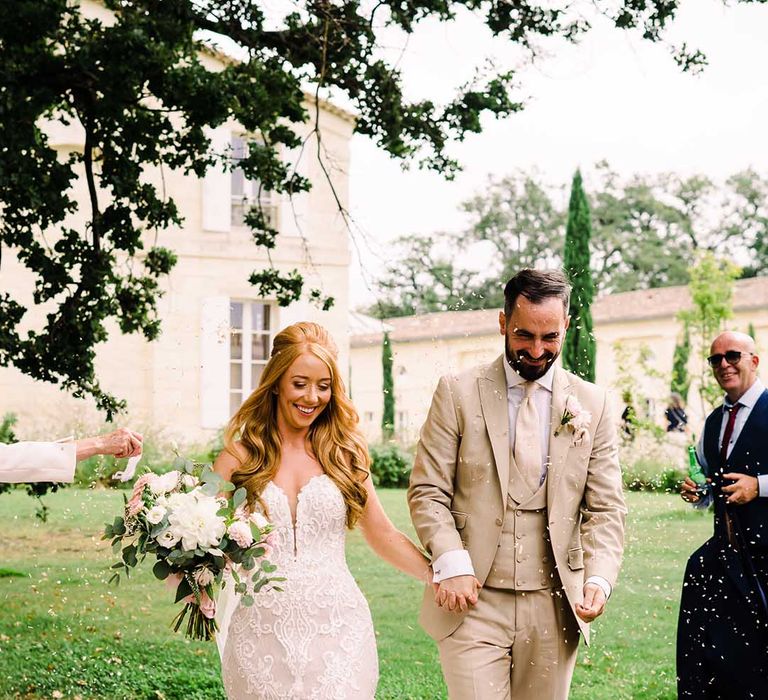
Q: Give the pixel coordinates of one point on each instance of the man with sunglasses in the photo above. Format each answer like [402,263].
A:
[722,635]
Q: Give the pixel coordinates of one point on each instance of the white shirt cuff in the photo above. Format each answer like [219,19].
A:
[600,581]
[456,562]
[762,485]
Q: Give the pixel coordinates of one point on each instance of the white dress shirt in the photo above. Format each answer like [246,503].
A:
[747,401]
[457,562]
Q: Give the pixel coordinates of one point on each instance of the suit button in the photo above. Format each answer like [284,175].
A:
[499,521]
[519,535]
[518,513]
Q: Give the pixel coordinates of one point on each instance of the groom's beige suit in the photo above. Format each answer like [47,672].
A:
[527,548]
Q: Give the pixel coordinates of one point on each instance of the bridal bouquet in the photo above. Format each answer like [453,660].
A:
[196,536]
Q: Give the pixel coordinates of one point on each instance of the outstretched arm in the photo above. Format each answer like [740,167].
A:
[388,542]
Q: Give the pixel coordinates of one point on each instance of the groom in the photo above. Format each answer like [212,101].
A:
[516,494]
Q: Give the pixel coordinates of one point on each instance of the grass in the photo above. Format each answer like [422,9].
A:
[65,634]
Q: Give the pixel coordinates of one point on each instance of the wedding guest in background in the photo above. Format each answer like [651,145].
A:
[677,420]
[722,633]
[27,462]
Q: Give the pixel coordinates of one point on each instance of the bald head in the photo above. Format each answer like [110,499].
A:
[736,340]
[735,363]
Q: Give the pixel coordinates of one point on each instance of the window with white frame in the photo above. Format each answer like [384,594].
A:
[250,340]
[247,193]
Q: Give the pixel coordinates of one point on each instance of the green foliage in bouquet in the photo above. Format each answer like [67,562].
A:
[199,539]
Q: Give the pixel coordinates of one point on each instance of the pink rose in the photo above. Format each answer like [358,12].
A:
[241,533]
[136,502]
[207,605]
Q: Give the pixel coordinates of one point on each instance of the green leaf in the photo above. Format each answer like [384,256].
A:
[183,590]
[247,601]
[129,555]
[267,568]
[210,489]
[240,497]
[161,569]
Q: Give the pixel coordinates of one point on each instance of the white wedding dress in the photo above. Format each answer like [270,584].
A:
[315,638]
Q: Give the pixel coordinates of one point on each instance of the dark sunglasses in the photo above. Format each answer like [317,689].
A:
[732,357]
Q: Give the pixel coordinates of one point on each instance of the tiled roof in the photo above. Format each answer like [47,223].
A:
[627,306]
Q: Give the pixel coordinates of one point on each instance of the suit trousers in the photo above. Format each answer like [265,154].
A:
[512,645]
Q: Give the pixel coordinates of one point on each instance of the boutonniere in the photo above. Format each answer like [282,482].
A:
[576,419]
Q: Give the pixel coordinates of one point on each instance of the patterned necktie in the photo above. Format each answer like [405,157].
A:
[527,439]
[728,431]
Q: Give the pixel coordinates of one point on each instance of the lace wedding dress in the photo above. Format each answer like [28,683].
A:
[314,639]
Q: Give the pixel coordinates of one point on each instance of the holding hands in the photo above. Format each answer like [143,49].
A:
[593,604]
[458,593]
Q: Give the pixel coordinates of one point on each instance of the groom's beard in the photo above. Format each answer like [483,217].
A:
[519,361]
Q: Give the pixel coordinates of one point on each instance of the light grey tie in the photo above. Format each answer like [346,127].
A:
[527,439]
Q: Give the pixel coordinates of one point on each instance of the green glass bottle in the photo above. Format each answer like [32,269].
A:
[694,470]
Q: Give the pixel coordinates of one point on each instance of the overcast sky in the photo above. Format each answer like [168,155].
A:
[612,97]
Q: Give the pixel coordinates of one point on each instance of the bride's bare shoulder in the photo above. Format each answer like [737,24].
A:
[230,460]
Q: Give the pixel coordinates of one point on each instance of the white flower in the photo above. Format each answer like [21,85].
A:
[575,418]
[193,519]
[155,514]
[190,481]
[241,533]
[165,483]
[167,539]
[259,520]
[204,576]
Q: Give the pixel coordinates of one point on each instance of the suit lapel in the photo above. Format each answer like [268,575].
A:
[493,401]
[560,444]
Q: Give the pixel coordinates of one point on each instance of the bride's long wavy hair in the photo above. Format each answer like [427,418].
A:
[336,441]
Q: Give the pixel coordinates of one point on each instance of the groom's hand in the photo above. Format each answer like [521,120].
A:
[594,603]
[458,593]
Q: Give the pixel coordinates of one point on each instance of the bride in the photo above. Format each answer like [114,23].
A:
[295,447]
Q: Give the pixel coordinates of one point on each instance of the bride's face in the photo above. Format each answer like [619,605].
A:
[303,392]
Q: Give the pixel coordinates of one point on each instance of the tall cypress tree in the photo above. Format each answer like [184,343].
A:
[680,380]
[579,347]
[388,385]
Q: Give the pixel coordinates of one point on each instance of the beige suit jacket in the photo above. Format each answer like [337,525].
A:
[37,461]
[458,489]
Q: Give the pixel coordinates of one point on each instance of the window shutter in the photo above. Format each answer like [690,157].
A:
[217,186]
[214,362]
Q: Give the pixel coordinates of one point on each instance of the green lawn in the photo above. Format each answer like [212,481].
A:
[65,633]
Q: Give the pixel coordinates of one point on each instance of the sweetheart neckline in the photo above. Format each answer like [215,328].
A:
[294,513]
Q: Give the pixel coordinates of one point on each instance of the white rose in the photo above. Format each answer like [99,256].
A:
[581,420]
[167,539]
[241,533]
[194,519]
[190,481]
[259,520]
[204,577]
[155,514]
[572,405]
[165,483]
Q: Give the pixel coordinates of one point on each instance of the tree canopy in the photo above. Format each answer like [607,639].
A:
[647,231]
[140,90]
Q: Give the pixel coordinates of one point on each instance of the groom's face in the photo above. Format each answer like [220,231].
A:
[533,335]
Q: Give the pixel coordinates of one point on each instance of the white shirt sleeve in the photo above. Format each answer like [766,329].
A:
[455,562]
[600,581]
[37,461]
[762,485]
